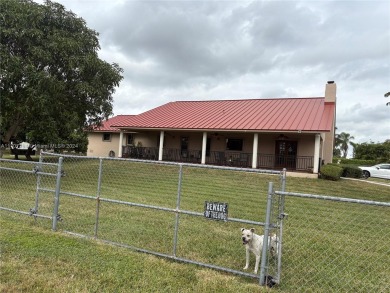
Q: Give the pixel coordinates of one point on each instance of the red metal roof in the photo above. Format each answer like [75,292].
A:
[106,125]
[292,114]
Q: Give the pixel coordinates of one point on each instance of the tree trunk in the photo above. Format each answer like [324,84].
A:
[11,132]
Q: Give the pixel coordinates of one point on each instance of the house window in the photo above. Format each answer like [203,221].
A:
[130,139]
[234,144]
[106,136]
[184,145]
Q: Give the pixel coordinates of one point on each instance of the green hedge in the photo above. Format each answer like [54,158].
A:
[331,172]
[352,172]
[354,162]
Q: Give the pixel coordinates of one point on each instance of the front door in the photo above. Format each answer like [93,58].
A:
[184,146]
[286,154]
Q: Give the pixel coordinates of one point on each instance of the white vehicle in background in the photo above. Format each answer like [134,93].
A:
[377,171]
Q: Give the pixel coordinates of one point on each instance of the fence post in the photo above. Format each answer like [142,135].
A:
[263,267]
[177,209]
[284,175]
[35,211]
[57,194]
[281,216]
[98,196]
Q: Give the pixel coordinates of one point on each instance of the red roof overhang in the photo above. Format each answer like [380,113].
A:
[256,115]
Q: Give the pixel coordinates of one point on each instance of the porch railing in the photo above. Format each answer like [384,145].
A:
[222,158]
[187,156]
[146,153]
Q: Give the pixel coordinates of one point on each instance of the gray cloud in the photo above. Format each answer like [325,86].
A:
[365,123]
[180,50]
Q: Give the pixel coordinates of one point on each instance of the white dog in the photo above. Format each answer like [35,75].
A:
[254,243]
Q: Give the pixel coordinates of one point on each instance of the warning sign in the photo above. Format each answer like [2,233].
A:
[216,210]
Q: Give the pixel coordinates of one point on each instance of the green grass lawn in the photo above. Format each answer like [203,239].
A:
[328,246]
[37,260]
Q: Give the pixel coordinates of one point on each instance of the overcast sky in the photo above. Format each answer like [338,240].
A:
[203,50]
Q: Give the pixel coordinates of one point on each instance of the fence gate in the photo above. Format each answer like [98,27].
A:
[127,202]
[31,188]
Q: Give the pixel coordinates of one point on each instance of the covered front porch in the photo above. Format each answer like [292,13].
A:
[223,158]
[293,151]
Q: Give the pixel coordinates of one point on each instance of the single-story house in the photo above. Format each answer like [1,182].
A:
[292,133]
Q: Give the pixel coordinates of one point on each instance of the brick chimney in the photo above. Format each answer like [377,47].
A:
[330,92]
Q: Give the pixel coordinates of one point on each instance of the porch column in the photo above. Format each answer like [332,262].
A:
[120,144]
[255,150]
[317,145]
[160,148]
[204,144]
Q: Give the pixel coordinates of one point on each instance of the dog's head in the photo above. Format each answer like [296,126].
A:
[247,235]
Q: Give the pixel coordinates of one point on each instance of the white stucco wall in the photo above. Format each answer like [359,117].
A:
[99,148]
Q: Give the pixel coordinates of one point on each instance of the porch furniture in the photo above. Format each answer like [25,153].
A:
[222,158]
[219,158]
[244,160]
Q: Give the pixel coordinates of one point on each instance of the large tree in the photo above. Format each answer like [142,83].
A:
[52,81]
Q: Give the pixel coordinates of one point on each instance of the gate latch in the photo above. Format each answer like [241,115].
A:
[37,169]
[33,211]
[283,216]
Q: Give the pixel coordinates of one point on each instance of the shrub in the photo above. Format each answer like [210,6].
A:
[354,161]
[352,172]
[331,172]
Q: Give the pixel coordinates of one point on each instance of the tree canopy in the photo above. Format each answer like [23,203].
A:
[373,151]
[342,142]
[52,82]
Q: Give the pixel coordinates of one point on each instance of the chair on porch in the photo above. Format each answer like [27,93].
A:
[197,156]
[184,155]
[244,160]
[219,158]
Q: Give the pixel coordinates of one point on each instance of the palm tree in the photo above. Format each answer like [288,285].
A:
[343,140]
[337,143]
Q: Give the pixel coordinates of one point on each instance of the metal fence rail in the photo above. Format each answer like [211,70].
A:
[21,190]
[338,244]
[127,201]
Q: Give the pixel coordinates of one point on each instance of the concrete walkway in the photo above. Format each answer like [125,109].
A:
[302,175]
[365,180]
[315,176]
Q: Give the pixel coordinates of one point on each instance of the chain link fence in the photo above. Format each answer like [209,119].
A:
[333,244]
[159,207]
[329,244]
[29,188]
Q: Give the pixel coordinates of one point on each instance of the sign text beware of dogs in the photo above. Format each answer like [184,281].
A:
[216,210]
